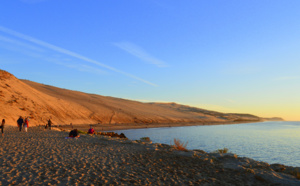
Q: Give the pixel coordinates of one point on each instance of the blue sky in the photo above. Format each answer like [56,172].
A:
[228,56]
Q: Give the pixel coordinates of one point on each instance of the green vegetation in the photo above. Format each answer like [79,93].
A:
[81,132]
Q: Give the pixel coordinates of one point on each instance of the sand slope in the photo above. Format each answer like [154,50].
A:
[41,102]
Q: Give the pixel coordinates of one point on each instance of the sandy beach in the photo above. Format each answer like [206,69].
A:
[44,157]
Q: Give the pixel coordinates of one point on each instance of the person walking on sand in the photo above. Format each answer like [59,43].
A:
[49,124]
[2,126]
[20,122]
[26,124]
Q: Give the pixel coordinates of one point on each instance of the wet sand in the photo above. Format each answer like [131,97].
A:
[44,157]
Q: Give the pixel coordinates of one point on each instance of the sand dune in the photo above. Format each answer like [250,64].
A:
[41,102]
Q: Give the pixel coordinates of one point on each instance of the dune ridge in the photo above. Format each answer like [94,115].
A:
[41,102]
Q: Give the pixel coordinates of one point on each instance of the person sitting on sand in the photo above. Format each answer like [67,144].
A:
[2,126]
[20,122]
[91,130]
[74,133]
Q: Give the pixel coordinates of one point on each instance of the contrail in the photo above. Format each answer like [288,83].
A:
[70,53]
[140,53]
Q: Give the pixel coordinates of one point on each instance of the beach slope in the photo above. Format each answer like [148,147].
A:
[43,157]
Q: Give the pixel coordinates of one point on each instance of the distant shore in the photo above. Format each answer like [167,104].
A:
[128,126]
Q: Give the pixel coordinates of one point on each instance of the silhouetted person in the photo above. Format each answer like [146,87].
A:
[49,124]
[73,133]
[20,122]
[2,126]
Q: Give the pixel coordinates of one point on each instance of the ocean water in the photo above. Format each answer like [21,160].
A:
[272,142]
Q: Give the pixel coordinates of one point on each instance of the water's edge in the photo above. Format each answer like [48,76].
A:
[272,142]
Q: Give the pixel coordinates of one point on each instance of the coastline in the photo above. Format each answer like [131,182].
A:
[129,126]
[45,157]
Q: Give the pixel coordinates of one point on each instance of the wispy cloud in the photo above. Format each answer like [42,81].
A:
[21,47]
[70,53]
[82,68]
[21,44]
[140,53]
[40,53]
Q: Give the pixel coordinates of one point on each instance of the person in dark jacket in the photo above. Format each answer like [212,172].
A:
[20,122]
[74,133]
[2,126]
[49,124]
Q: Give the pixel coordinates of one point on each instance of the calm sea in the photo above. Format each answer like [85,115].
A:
[272,142]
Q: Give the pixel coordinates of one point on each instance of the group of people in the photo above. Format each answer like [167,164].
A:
[23,123]
[74,133]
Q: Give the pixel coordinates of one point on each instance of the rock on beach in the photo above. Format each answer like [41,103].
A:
[44,157]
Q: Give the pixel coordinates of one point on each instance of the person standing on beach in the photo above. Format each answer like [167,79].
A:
[49,124]
[2,126]
[26,124]
[20,122]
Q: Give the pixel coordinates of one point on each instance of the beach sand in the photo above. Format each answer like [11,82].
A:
[44,157]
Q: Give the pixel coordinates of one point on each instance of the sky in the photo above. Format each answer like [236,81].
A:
[230,56]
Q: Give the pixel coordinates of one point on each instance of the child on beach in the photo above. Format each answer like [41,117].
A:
[26,124]
[91,130]
[2,126]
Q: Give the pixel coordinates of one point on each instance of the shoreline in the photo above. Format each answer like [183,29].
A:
[130,126]
[43,157]
[269,174]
